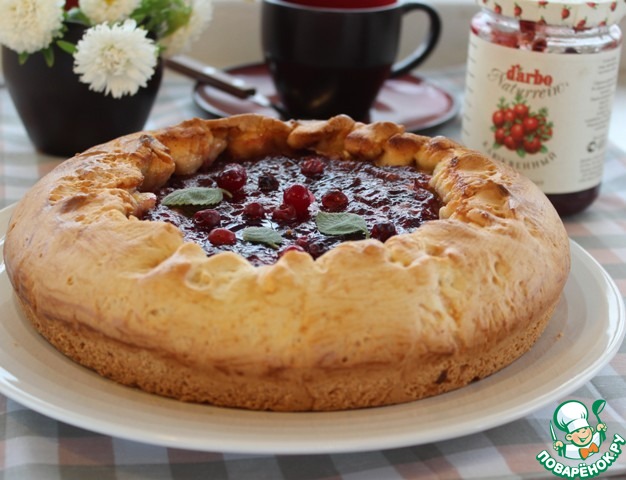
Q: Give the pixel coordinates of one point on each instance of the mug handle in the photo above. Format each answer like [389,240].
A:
[425,49]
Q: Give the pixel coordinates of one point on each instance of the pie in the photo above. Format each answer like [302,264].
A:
[316,293]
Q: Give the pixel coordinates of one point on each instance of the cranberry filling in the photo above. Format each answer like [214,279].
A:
[285,194]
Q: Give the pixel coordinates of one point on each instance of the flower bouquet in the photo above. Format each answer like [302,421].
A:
[81,72]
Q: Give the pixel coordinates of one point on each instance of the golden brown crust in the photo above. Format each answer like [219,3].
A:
[366,324]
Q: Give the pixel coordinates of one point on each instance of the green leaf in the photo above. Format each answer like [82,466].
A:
[76,15]
[343,223]
[201,196]
[48,55]
[66,46]
[263,235]
[22,57]
[162,17]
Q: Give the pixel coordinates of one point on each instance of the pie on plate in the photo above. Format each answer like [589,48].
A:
[374,266]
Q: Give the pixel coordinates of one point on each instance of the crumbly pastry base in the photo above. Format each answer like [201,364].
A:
[366,324]
[300,389]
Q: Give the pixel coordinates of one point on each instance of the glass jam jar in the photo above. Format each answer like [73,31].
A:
[541,77]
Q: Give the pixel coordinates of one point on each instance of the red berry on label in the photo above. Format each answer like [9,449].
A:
[511,143]
[530,124]
[222,236]
[509,115]
[232,178]
[500,135]
[521,110]
[299,197]
[547,133]
[532,146]
[517,131]
[498,118]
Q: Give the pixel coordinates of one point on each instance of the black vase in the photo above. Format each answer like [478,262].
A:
[61,115]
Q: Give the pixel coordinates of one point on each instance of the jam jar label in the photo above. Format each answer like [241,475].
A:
[545,114]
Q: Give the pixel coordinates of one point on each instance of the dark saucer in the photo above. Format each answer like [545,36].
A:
[407,100]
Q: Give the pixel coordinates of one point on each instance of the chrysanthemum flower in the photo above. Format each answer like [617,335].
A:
[101,11]
[181,39]
[27,26]
[116,59]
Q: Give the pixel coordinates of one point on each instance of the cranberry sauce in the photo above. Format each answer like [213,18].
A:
[286,194]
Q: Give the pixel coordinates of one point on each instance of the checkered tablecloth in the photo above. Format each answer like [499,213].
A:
[33,446]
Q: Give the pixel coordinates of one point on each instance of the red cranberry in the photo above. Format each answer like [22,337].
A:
[383,231]
[222,236]
[233,178]
[335,201]
[303,242]
[208,218]
[316,249]
[285,214]
[268,182]
[312,167]
[299,197]
[296,248]
[254,210]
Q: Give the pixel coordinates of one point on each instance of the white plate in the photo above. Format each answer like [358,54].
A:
[585,333]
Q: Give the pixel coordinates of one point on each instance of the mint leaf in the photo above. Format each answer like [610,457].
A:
[263,235]
[202,196]
[343,223]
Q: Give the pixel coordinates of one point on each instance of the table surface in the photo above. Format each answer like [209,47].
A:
[33,446]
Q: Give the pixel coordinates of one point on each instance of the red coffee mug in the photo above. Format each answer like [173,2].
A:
[343,3]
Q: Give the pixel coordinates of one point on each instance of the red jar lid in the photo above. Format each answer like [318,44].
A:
[578,14]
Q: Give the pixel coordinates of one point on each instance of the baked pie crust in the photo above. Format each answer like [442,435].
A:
[366,324]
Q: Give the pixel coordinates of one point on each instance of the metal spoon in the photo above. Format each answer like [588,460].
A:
[221,80]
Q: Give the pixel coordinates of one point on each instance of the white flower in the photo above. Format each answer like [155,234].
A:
[27,26]
[102,11]
[181,39]
[116,59]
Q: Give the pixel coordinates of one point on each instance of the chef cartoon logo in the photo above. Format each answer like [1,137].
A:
[572,417]
[582,438]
